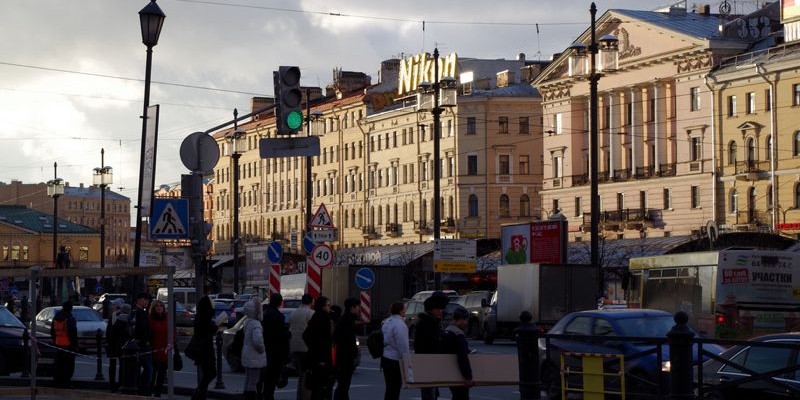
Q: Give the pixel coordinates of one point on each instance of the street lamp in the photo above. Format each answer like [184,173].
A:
[151,19]
[55,188]
[103,177]
[438,96]
[233,140]
[609,56]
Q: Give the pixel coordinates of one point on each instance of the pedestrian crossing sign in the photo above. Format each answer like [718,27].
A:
[322,219]
[170,219]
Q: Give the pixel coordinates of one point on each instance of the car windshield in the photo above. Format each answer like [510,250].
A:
[9,320]
[85,314]
[652,326]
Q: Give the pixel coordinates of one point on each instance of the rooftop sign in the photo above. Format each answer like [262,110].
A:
[419,68]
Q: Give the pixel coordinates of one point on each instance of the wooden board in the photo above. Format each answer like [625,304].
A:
[439,370]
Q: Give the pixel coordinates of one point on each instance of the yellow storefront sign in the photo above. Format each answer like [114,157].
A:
[463,267]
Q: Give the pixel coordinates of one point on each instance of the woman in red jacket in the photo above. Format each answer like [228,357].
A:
[158,334]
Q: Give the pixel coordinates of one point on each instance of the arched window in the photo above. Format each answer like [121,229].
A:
[734,201]
[797,143]
[504,205]
[751,200]
[732,153]
[405,211]
[473,205]
[451,207]
[524,206]
[769,197]
[768,147]
[751,150]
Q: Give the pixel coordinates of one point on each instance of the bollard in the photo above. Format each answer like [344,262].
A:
[99,375]
[220,384]
[129,368]
[528,354]
[680,357]
[26,348]
[106,309]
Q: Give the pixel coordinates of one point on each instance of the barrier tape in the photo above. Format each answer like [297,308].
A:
[168,349]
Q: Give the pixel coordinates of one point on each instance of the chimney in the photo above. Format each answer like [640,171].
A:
[521,57]
[257,103]
[707,9]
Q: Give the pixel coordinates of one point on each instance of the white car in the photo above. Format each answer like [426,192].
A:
[87,319]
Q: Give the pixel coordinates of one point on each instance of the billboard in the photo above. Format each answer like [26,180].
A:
[534,242]
[790,10]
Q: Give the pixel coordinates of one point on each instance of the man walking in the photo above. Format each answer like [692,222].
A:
[141,334]
[276,340]
[344,338]
[298,322]
[427,336]
[395,346]
[454,342]
[64,332]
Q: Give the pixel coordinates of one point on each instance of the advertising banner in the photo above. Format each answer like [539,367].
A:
[534,242]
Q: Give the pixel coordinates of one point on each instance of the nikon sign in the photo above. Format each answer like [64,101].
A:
[419,68]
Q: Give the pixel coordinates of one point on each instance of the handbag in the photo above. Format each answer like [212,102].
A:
[177,361]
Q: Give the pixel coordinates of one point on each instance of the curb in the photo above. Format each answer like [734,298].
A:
[92,390]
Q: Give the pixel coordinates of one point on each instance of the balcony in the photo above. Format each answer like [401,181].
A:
[393,230]
[368,232]
[622,174]
[749,170]
[667,170]
[751,219]
[630,218]
[645,172]
[603,177]
[580,180]
[422,227]
[448,225]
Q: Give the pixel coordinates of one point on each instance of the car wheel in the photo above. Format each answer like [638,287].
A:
[551,381]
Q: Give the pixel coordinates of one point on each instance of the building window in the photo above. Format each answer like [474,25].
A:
[472,164]
[524,126]
[694,94]
[606,117]
[83,253]
[796,94]
[524,165]
[768,155]
[473,205]
[732,153]
[695,196]
[769,197]
[696,150]
[558,124]
[558,168]
[629,114]
[768,100]
[651,103]
[578,207]
[504,205]
[472,127]
[734,201]
[731,106]
[797,143]
[556,206]
[751,102]
[503,124]
[524,206]
[667,198]
[751,150]
[504,165]
[797,196]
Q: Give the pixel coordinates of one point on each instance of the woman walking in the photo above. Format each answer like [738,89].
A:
[204,330]
[254,356]
[158,338]
[395,339]
[318,337]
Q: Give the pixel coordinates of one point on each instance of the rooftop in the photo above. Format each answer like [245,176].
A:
[32,220]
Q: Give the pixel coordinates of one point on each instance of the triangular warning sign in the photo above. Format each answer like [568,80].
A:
[321,219]
[168,223]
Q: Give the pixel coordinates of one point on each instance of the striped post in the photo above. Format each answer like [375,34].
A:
[274,278]
[313,278]
[366,306]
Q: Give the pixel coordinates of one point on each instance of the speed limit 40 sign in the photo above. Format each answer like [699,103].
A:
[322,254]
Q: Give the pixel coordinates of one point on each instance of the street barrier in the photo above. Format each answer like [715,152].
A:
[220,383]
[26,351]
[99,375]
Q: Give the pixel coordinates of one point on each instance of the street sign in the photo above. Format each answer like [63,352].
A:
[454,255]
[365,278]
[322,236]
[199,152]
[304,146]
[293,239]
[321,219]
[170,219]
[309,242]
[322,254]
[275,252]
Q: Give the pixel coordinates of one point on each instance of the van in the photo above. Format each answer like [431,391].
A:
[184,295]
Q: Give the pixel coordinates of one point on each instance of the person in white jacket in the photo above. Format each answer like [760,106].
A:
[254,355]
[395,346]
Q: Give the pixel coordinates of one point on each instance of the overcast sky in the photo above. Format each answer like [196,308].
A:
[72,71]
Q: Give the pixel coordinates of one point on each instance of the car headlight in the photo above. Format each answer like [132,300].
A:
[665,366]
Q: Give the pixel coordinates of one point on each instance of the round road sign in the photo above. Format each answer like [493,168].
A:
[199,152]
[274,252]
[365,278]
[322,255]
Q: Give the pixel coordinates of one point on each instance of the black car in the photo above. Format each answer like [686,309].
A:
[759,359]
[12,352]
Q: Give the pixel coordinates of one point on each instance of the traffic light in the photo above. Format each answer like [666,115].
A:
[288,99]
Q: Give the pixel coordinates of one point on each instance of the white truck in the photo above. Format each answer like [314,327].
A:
[733,293]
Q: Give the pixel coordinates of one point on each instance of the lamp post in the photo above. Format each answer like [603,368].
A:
[55,188]
[233,139]
[314,118]
[151,19]
[431,95]
[103,177]
[608,49]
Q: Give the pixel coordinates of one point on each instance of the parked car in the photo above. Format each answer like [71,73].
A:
[413,308]
[234,360]
[759,360]
[184,317]
[12,352]
[642,374]
[98,306]
[88,321]
[477,304]
[421,296]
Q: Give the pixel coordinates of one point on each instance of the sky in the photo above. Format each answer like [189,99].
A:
[72,71]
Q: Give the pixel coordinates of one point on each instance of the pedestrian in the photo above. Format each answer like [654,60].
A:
[454,342]
[428,333]
[204,330]
[344,338]
[254,355]
[395,346]
[159,340]
[298,322]
[318,337]
[64,332]
[276,340]
[117,334]
[336,314]
[141,334]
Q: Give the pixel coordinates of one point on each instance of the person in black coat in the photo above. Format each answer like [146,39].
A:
[204,331]
[428,333]
[276,341]
[117,335]
[141,333]
[454,342]
[318,337]
[344,338]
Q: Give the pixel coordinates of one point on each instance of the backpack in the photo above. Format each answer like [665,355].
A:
[375,343]
[237,344]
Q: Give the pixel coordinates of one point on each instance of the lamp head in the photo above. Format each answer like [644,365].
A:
[151,19]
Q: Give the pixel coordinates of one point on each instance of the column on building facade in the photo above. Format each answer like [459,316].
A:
[658,120]
[635,130]
[612,132]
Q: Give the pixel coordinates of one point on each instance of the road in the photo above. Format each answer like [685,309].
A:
[367,382]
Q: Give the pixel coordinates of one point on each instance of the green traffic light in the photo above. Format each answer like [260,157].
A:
[294,120]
